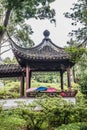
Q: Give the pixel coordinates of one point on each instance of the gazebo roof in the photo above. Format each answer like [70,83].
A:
[45,56]
[10,70]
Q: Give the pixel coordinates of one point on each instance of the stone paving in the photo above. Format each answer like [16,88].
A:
[11,103]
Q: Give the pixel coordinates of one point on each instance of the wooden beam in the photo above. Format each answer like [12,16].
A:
[61,79]
[27,77]
[22,86]
[30,79]
[68,78]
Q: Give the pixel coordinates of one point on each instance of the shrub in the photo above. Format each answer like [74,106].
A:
[83,127]
[83,83]
[73,126]
[9,121]
[46,114]
[10,90]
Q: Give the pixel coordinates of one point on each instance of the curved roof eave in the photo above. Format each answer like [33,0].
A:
[53,51]
[46,51]
[16,46]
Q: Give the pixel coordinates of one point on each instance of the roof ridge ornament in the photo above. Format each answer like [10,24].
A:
[46,33]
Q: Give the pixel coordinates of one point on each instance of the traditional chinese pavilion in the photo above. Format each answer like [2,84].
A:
[44,57]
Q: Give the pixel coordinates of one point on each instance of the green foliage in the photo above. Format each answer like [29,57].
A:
[45,114]
[29,9]
[73,126]
[13,15]
[24,37]
[78,14]
[2,28]
[54,112]
[46,77]
[83,82]
[10,90]
[83,127]
[79,97]
[75,86]
[4,94]
[36,84]
[82,64]
[9,121]
[75,53]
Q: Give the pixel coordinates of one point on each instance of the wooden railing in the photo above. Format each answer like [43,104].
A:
[53,94]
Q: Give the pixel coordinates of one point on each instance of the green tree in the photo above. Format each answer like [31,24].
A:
[83,82]
[75,53]
[78,55]
[78,14]
[22,35]
[9,121]
[13,14]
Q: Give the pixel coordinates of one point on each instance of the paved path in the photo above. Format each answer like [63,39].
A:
[11,103]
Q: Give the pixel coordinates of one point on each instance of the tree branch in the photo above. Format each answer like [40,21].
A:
[7,15]
[5,51]
[5,46]
[5,23]
[4,42]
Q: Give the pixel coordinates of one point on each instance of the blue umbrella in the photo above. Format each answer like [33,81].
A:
[41,88]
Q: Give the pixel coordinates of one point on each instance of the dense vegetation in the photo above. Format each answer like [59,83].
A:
[74,126]
[47,114]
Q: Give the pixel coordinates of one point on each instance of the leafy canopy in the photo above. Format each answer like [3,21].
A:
[78,14]
[75,53]
[25,9]
[13,14]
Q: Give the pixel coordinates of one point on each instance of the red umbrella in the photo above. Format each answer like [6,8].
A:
[30,90]
[63,94]
[51,90]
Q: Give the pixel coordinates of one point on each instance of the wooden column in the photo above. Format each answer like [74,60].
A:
[61,79]
[30,79]
[68,78]
[22,86]
[27,77]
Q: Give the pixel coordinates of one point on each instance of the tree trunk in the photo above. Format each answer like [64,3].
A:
[74,78]
[5,23]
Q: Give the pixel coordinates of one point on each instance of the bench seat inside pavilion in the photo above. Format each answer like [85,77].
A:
[45,57]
